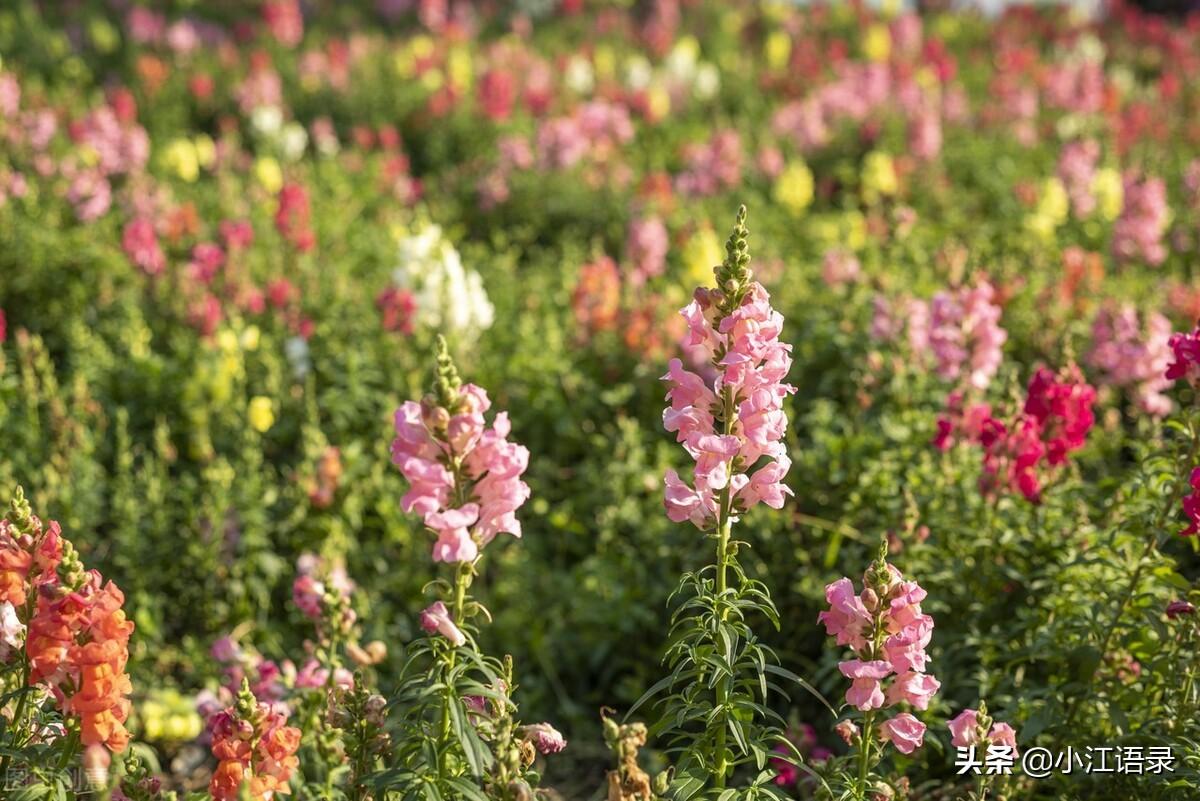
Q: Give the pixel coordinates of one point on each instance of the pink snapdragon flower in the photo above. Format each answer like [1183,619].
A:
[903,731]
[1077,171]
[732,426]
[284,20]
[322,591]
[545,738]
[436,619]
[140,243]
[962,421]
[1138,232]
[292,218]
[713,166]
[974,727]
[840,266]
[120,146]
[464,476]
[1127,357]
[1061,403]
[888,632]
[961,328]
[647,247]
[90,193]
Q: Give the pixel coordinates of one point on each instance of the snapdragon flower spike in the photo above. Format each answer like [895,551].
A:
[255,751]
[77,639]
[464,476]
[734,428]
[888,632]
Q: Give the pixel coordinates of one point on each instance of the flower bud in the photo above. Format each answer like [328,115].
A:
[375,709]
[881,791]
[847,731]
[662,782]
[95,765]
[870,600]
[612,732]
[1177,608]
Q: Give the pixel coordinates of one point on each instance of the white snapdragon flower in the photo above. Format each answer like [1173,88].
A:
[448,295]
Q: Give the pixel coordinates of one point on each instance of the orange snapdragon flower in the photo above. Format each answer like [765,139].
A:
[254,748]
[79,645]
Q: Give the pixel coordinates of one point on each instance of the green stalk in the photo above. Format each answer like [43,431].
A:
[864,755]
[724,532]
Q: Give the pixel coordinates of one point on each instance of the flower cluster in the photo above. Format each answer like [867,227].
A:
[1138,232]
[441,293]
[77,642]
[1077,171]
[322,590]
[255,750]
[293,217]
[888,633]
[961,328]
[973,727]
[734,429]
[464,476]
[1185,357]
[646,247]
[1054,422]
[1127,357]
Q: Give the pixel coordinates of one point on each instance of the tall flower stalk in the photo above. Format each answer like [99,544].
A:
[732,425]
[465,481]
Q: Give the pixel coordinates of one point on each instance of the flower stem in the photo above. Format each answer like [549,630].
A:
[724,532]
[864,755]
[462,580]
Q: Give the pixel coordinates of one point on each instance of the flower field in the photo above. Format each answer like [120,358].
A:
[568,399]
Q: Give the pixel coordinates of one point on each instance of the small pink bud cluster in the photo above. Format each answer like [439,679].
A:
[746,399]
[973,727]
[322,589]
[1054,422]
[888,632]
[464,476]
[961,327]
[1138,232]
[1127,357]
